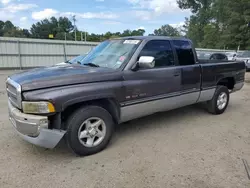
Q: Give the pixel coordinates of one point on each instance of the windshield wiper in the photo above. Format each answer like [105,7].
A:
[68,62]
[91,64]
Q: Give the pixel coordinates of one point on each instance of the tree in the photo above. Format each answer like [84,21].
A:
[8,25]
[14,32]
[138,32]
[7,29]
[218,23]
[202,14]
[53,26]
[211,36]
[167,30]
[1,28]
[191,29]
[235,28]
[94,38]
[108,35]
[42,29]
[26,33]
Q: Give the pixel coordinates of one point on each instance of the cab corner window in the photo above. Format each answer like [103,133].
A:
[184,52]
[161,50]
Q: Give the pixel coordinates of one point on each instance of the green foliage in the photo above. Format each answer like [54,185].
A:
[213,24]
[1,28]
[218,23]
[61,28]
[167,30]
[202,14]
[210,36]
[8,25]
[7,29]
[53,26]
[14,32]
[235,30]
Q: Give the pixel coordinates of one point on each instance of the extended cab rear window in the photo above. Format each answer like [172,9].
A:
[184,52]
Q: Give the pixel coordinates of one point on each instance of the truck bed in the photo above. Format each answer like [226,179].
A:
[213,71]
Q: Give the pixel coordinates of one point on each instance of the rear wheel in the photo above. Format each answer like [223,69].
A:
[220,100]
[89,130]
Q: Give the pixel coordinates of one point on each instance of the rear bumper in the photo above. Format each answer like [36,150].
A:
[34,128]
[247,63]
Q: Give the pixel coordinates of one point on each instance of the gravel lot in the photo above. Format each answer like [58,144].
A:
[183,148]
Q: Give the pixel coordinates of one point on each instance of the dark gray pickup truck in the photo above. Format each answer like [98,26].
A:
[119,80]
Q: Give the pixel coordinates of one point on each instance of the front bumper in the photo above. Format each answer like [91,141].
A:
[34,128]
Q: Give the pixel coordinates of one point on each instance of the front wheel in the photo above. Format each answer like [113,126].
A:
[89,130]
[220,100]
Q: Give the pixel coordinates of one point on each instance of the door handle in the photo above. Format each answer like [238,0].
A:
[177,73]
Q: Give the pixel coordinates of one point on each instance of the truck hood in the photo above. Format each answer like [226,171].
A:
[60,75]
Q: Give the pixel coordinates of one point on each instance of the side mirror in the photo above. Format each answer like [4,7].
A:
[146,62]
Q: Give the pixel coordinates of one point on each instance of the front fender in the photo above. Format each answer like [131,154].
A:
[62,97]
[86,98]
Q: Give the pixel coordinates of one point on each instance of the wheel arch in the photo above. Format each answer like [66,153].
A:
[229,82]
[110,104]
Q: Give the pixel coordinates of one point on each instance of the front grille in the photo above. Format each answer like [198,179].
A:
[14,93]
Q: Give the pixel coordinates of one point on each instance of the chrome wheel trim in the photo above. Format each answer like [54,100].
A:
[222,101]
[92,132]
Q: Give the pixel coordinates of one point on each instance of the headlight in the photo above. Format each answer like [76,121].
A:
[37,107]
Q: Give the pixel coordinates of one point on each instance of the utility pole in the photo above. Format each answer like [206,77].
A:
[74,20]
[85,35]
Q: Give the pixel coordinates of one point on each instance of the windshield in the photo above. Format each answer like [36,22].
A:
[111,53]
[75,59]
[244,54]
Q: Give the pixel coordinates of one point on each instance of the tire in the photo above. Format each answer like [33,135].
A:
[79,124]
[212,105]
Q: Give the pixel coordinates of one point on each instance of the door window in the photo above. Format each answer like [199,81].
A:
[221,57]
[162,52]
[218,57]
[184,52]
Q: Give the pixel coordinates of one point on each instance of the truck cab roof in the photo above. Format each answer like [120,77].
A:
[154,38]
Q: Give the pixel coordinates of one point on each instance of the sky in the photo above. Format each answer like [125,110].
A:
[96,16]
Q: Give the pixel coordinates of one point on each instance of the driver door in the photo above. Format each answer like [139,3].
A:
[146,90]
